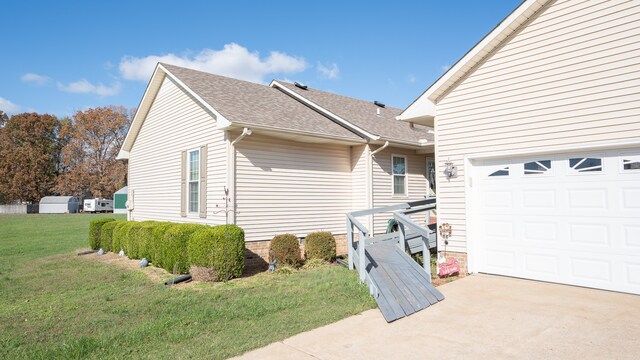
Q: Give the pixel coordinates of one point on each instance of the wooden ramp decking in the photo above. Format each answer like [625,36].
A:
[400,286]
[403,287]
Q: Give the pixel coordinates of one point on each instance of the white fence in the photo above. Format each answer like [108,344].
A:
[19,209]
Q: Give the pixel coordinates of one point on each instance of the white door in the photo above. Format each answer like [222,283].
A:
[572,219]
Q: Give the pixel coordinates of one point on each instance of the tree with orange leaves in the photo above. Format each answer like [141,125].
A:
[29,151]
[88,160]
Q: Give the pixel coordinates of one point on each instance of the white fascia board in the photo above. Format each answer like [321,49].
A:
[421,111]
[420,108]
[325,112]
[122,155]
[274,129]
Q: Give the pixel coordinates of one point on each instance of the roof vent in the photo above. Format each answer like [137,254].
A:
[301,86]
[379,103]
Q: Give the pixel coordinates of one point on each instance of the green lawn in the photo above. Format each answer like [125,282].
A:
[54,304]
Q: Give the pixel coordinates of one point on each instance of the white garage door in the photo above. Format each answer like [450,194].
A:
[572,219]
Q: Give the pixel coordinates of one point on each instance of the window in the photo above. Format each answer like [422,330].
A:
[502,172]
[194,180]
[399,169]
[537,167]
[582,165]
[630,164]
[431,176]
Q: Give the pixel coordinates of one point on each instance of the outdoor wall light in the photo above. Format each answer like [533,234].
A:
[450,170]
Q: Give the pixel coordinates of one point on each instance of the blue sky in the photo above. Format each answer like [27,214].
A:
[60,57]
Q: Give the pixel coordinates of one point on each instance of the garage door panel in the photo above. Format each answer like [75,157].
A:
[587,199]
[630,198]
[539,199]
[560,224]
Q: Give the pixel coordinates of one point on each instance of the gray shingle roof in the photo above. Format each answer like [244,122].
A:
[363,115]
[257,105]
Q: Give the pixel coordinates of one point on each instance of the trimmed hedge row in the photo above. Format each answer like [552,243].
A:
[208,248]
[176,247]
[95,233]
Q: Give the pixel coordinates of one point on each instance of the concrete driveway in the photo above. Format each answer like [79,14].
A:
[483,316]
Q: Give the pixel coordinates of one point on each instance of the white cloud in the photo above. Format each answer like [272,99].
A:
[35,78]
[233,61]
[445,67]
[85,87]
[330,72]
[411,78]
[8,107]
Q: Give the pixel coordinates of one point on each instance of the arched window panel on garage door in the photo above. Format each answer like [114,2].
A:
[631,163]
[539,167]
[586,165]
[503,171]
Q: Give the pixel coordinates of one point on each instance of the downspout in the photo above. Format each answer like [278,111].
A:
[231,171]
[370,183]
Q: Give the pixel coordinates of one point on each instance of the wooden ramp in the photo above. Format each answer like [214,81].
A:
[402,286]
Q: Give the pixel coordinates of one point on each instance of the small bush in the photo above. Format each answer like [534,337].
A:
[106,235]
[285,249]
[95,227]
[119,235]
[211,248]
[173,247]
[320,245]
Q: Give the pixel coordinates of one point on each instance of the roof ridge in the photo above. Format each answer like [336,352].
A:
[344,96]
[212,74]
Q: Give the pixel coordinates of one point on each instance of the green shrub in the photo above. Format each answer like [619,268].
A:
[94,232]
[119,235]
[211,248]
[320,245]
[285,249]
[152,252]
[173,247]
[138,238]
[106,235]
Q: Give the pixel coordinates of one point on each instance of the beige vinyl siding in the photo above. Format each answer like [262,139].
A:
[284,186]
[571,77]
[359,177]
[175,123]
[382,183]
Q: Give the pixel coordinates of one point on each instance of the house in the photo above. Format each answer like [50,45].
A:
[541,119]
[293,159]
[59,205]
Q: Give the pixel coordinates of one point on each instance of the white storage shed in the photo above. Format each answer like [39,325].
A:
[59,205]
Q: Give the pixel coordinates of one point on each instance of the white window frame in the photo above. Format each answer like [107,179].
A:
[573,172]
[189,182]
[406,176]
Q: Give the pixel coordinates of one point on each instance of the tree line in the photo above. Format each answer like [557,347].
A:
[43,155]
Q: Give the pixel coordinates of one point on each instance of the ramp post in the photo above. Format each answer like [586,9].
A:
[350,242]
[402,233]
[361,244]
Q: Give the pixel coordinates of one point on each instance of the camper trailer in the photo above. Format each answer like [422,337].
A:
[98,205]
